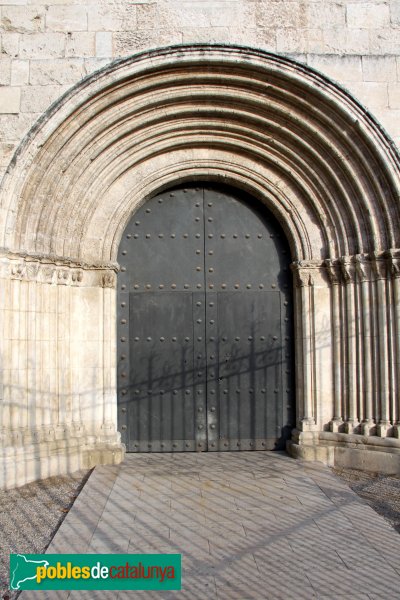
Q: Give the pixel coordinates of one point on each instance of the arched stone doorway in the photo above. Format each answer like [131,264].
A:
[277,130]
[205,336]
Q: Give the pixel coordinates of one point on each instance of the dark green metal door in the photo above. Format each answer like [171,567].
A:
[205,358]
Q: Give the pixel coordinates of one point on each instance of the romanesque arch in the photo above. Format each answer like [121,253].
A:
[257,121]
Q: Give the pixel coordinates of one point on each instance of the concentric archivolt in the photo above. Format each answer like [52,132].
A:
[261,122]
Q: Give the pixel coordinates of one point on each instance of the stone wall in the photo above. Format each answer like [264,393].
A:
[307,150]
[48,47]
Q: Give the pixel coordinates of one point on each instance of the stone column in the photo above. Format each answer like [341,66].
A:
[352,415]
[304,283]
[109,281]
[334,278]
[394,264]
[363,269]
[379,266]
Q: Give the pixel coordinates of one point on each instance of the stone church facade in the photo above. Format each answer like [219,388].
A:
[107,104]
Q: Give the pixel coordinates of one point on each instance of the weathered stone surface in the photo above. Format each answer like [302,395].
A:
[42,45]
[68,202]
[379,68]
[10,100]
[28,20]
[371,15]
[66,18]
[80,44]
[53,72]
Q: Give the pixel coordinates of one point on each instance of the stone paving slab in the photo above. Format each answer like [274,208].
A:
[249,525]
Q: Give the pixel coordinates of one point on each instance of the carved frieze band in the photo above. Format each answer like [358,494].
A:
[348,269]
[57,272]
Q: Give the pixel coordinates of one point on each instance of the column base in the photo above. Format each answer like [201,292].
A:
[352,426]
[368,427]
[336,425]
[384,429]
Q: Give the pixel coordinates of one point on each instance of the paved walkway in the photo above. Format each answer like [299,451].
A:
[248,525]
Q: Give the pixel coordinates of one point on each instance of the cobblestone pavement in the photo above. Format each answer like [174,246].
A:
[253,525]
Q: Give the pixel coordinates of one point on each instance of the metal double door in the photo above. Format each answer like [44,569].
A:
[205,357]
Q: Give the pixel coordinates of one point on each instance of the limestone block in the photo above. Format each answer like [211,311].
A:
[61,72]
[10,45]
[282,15]
[196,35]
[112,17]
[368,14]
[6,153]
[10,98]
[303,41]
[126,43]
[370,94]
[104,44]
[5,71]
[379,68]
[394,95]
[94,64]
[66,18]
[220,13]
[390,119]
[19,72]
[385,41]
[39,98]
[42,45]
[27,20]
[344,41]
[266,38]
[340,68]
[80,44]
[395,13]
[325,14]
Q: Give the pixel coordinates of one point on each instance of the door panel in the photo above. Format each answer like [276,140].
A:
[204,325]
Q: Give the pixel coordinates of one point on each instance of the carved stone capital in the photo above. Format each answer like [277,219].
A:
[347,268]
[394,263]
[109,280]
[379,267]
[333,271]
[308,273]
[363,267]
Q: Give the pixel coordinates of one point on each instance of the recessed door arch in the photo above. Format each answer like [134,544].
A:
[205,335]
